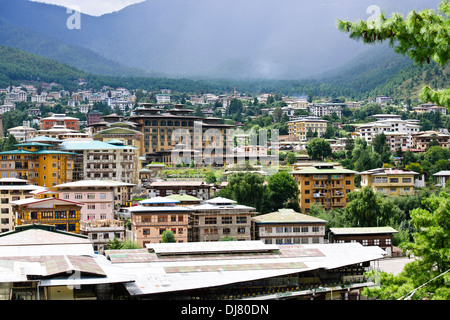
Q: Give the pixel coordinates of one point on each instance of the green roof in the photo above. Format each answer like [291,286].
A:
[32,144]
[16,152]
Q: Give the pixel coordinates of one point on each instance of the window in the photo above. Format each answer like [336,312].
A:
[241,219]
[376,242]
[226,231]
[91,206]
[146,219]
[406,180]
[315,229]
[91,196]
[304,229]
[279,229]
[296,229]
[210,220]
[365,242]
[227,220]
[173,218]
[102,195]
[78,196]
[288,229]
[393,180]
[66,196]
[162,219]
[146,232]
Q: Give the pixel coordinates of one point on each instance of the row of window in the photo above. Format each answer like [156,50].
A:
[89,196]
[160,218]
[303,240]
[225,220]
[291,229]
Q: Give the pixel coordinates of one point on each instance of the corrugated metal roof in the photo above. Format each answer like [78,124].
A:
[362,230]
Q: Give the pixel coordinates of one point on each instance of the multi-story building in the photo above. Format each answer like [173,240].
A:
[287,226]
[38,163]
[422,139]
[121,131]
[93,117]
[20,132]
[300,127]
[199,189]
[219,217]
[101,232]
[164,130]
[429,107]
[153,216]
[407,128]
[63,214]
[12,189]
[61,120]
[389,181]
[325,185]
[326,109]
[383,99]
[98,197]
[103,160]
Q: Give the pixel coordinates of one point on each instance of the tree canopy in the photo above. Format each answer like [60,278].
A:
[423,36]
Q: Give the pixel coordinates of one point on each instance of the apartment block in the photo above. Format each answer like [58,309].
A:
[422,139]
[326,109]
[287,226]
[103,160]
[220,217]
[153,216]
[12,189]
[98,197]
[300,127]
[325,185]
[389,181]
[392,127]
[60,120]
[38,163]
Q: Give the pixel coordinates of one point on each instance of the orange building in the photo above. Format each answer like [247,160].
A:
[63,214]
[324,185]
[60,120]
[37,163]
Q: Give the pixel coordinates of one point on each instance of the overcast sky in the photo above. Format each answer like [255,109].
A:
[93,7]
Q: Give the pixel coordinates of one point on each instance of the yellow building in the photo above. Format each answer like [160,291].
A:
[63,214]
[37,163]
[389,181]
[300,127]
[324,185]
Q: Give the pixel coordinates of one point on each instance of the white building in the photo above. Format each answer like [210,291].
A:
[7,107]
[20,132]
[397,129]
[163,98]
[326,109]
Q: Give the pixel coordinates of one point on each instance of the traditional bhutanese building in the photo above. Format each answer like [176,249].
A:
[325,185]
[38,163]
[389,181]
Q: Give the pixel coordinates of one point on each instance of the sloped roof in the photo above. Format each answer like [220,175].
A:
[287,216]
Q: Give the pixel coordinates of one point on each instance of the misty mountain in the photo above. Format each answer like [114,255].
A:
[278,39]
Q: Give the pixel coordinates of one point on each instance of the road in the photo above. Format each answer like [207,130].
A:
[393,265]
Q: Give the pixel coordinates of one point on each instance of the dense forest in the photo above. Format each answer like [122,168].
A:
[356,82]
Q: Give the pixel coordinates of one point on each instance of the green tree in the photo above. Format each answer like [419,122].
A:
[422,35]
[428,275]
[291,158]
[282,189]
[247,189]
[210,177]
[318,149]
[167,236]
